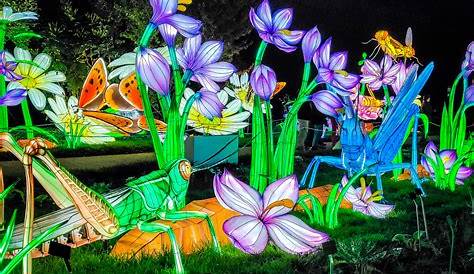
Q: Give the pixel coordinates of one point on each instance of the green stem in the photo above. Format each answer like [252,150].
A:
[3,109]
[388,101]
[260,53]
[157,145]
[28,122]
[178,85]
[186,110]
[452,94]
[271,165]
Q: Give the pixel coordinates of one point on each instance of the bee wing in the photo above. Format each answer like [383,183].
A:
[409,37]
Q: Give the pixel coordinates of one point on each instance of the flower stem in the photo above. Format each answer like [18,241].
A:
[271,165]
[26,115]
[157,145]
[388,101]
[3,109]
[260,53]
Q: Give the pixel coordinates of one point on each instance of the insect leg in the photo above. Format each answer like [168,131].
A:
[378,176]
[156,228]
[183,215]
[314,165]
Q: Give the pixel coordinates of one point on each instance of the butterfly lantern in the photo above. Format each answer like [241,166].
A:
[114,105]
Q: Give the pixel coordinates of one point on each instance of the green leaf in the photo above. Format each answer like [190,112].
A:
[7,191]
[26,36]
[445,129]
[460,134]
[36,129]
[7,237]
[426,123]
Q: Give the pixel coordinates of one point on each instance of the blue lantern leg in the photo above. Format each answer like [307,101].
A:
[314,165]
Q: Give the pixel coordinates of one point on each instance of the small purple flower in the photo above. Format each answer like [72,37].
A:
[202,61]
[263,81]
[402,76]
[468,63]
[469,96]
[13,97]
[310,44]
[265,217]
[153,70]
[376,75]
[273,28]
[208,104]
[327,102]
[448,158]
[331,69]
[168,32]
[164,12]
[7,68]
[364,201]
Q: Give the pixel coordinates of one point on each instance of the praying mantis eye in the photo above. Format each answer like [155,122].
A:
[185,169]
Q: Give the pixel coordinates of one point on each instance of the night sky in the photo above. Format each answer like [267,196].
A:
[442,30]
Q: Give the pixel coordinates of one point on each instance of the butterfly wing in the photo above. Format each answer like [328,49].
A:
[115,100]
[409,37]
[278,88]
[160,125]
[93,89]
[124,124]
[128,89]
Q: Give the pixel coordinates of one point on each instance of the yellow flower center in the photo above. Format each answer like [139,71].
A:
[285,32]
[28,82]
[342,72]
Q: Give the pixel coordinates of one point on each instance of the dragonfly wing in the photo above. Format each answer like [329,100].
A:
[396,121]
[69,215]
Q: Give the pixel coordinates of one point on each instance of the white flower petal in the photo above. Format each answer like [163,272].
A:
[22,55]
[42,61]
[51,87]
[37,98]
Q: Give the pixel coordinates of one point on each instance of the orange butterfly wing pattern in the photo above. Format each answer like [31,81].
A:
[160,125]
[122,123]
[128,88]
[279,87]
[92,93]
[115,100]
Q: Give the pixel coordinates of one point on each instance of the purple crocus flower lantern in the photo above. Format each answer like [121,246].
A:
[376,75]
[331,69]
[327,102]
[164,12]
[202,60]
[468,63]
[469,96]
[273,28]
[7,68]
[154,70]
[310,44]
[263,81]
[208,104]
[266,217]
[168,32]
[13,97]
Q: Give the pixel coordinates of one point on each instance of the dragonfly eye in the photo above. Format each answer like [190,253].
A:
[185,169]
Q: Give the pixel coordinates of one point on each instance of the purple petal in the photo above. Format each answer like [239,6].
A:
[219,72]
[154,70]
[206,82]
[427,165]
[246,233]
[294,236]
[256,22]
[186,25]
[310,44]
[323,56]
[463,173]
[190,50]
[338,61]
[291,37]
[386,63]
[278,41]
[448,157]
[281,190]
[168,33]
[13,97]
[209,53]
[379,211]
[327,102]
[392,72]
[371,68]
[431,150]
[325,75]
[208,104]
[263,81]
[346,81]
[264,12]
[162,8]
[236,195]
[282,19]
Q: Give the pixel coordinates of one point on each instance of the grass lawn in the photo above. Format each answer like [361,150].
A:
[364,244]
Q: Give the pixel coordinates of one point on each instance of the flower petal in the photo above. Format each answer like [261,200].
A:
[42,61]
[209,53]
[256,22]
[37,98]
[219,72]
[338,61]
[208,104]
[264,12]
[51,76]
[236,195]
[283,189]
[51,87]
[246,233]
[282,19]
[379,210]
[186,25]
[22,55]
[294,236]
[448,157]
